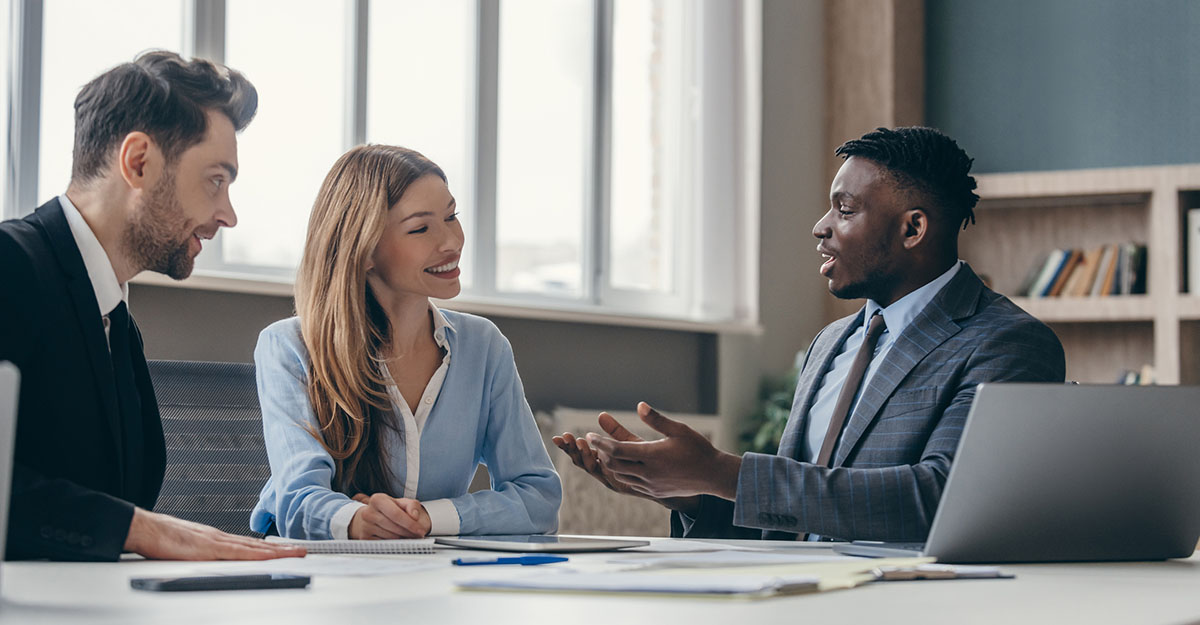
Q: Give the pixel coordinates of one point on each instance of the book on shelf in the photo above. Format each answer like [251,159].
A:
[1031,276]
[1068,267]
[1050,269]
[1085,274]
[1116,269]
[1104,271]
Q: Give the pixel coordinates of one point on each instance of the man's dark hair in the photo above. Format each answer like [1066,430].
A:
[926,160]
[162,95]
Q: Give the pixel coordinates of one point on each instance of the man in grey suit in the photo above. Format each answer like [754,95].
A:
[858,460]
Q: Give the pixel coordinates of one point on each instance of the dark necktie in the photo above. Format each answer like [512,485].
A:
[128,398]
[854,379]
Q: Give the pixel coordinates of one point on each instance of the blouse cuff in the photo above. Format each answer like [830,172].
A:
[443,517]
[339,525]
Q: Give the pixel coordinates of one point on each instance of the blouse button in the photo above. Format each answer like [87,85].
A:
[429,400]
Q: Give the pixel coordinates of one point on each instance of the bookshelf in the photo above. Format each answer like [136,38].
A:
[1022,216]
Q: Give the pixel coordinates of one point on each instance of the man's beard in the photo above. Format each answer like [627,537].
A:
[151,238]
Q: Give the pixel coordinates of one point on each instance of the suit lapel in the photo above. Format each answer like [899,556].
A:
[827,345]
[931,327]
[83,299]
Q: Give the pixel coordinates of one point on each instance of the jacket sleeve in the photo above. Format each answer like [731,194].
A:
[526,491]
[48,517]
[891,503]
[299,496]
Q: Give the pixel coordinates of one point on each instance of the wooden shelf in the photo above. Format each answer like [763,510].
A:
[1023,216]
[1089,309]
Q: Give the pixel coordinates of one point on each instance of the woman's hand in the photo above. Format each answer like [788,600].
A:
[387,517]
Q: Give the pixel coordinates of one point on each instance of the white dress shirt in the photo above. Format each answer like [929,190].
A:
[109,292]
[443,516]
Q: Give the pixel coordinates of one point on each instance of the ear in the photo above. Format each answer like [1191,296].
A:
[139,160]
[916,227]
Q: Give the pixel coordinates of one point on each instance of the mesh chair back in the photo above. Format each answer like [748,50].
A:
[216,460]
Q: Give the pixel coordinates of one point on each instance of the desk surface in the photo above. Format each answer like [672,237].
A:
[1143,592]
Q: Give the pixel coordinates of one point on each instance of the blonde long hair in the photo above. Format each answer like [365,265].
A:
[343,325]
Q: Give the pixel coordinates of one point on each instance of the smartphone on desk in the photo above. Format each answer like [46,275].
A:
[219,582]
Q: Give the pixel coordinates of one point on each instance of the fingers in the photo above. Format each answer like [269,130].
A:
[229,547]
[401,522]
[654,419]
[609,448]
[615,429]
[588,459]
[361,498]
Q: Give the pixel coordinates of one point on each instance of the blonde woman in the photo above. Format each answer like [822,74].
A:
[378,406]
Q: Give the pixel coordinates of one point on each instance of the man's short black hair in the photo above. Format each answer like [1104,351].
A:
[161,94]
[924,159]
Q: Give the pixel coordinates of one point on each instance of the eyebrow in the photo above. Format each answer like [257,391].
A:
[452,203]
[231,169]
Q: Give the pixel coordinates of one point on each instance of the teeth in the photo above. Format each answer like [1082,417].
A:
[450,266]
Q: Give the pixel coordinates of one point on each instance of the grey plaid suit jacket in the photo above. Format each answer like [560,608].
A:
[891,462]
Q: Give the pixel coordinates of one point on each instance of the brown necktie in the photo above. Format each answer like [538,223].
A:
[858,368]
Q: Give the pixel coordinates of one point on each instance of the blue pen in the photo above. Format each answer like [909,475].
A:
[522,560]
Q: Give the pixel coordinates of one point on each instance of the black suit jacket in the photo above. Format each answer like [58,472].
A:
[76,477]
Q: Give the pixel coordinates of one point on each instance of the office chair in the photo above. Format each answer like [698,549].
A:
[216,460]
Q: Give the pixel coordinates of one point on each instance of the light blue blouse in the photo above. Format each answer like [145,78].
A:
[479,416]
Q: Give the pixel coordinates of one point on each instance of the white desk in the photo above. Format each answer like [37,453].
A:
[1151,592]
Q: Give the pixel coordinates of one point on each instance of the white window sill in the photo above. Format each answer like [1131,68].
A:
[565,312]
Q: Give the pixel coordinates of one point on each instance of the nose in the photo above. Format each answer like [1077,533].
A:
[823,229]
[454,239]
[226,216]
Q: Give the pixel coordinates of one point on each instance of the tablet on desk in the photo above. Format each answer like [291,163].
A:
[539,543]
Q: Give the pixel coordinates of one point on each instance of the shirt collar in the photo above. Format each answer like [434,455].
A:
[440,325]
[904,310]
[99,267]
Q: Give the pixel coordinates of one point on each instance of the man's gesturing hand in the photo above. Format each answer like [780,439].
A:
[682,464]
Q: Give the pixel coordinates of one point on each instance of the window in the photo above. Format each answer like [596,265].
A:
[115,31]
[603,152]
[298,132]
[421,91]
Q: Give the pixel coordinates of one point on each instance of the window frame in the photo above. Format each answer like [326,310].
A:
[724,194]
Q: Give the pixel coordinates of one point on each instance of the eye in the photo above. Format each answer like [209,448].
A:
[217,183]
[453,216]
[420,230]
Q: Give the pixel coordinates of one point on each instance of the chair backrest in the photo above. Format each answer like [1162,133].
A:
[216,459]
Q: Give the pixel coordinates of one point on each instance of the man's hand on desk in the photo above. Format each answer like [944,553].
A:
[387,517]
[682,464]
[164,537]
[584,457]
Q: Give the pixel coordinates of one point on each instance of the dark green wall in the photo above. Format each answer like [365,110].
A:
[1065,84]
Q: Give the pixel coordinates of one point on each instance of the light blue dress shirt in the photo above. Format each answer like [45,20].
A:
[479,416]
[896,317]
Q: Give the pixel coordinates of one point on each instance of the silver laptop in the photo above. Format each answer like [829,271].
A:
[10,383]
[1054,473]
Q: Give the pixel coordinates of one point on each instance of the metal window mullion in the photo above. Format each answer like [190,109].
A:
[487,88]
[204,32]
[204,38]
[597,209]
[24,75]
[356,74]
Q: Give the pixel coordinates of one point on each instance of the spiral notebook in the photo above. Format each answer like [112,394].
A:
[407,545]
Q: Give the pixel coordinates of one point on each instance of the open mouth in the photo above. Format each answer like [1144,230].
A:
[828,262]
[448,270]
